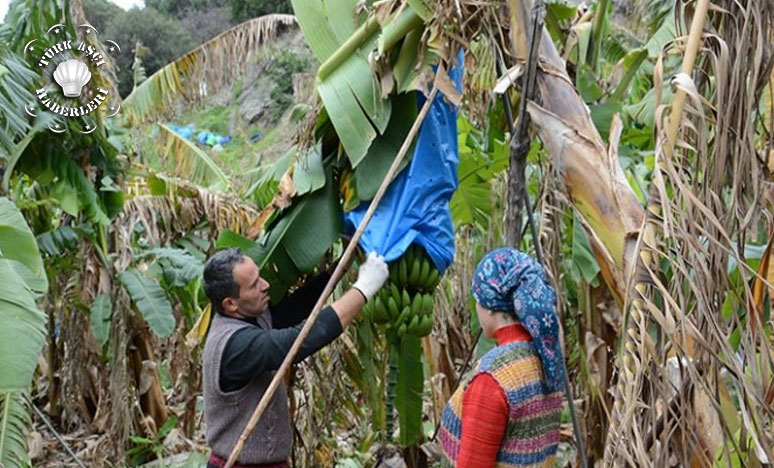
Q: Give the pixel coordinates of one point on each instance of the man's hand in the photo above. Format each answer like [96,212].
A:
[372,275]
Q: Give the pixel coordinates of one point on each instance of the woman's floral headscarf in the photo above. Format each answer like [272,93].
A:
[511,281]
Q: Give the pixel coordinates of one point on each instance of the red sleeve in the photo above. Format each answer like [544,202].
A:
[484,415]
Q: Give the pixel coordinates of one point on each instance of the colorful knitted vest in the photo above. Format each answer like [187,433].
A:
[532,431]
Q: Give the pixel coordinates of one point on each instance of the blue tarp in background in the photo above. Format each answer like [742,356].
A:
[415,208]
[204,137]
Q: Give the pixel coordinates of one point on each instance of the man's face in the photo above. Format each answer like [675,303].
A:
[253,291]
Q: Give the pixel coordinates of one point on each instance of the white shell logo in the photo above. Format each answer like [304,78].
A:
[68,65]
[72,75]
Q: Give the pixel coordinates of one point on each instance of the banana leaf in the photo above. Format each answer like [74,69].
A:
[372,169]
[297,241]
[187,161]
[349,87]
[151,301]
[100,312]
[408,395]
[15,422]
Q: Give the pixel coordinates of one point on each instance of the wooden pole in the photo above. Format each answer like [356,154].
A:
[639,308]
[337,274]
[691,50]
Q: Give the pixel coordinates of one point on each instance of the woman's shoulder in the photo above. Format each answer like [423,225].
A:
[513,366]
[506,355]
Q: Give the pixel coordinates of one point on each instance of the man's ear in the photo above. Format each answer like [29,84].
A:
[229,305]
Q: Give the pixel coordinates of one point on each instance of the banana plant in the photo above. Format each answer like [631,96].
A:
[22,281]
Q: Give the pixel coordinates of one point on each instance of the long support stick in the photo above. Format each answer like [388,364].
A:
[56,434]
[337,274]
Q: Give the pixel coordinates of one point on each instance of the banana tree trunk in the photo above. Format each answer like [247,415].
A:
[593,179]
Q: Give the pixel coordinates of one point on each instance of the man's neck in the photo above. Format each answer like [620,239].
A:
[252,320]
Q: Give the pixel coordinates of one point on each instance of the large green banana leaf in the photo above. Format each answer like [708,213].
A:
[354,97]
[296,243]
[408,395]
[15,422]
[22,332]
[372,169]
[151,301]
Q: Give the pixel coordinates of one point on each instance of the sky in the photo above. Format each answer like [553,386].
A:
[125,4]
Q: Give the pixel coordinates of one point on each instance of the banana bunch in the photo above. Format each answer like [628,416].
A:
[406,301]
[414,270]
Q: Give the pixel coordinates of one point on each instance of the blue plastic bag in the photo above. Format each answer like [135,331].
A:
[415,208]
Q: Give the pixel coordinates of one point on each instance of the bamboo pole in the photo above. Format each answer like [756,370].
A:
[691,50]
[335,278]
[645,261]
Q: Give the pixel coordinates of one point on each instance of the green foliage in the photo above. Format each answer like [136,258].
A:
[22,333]
[309,174]
[296,241]
[99,13]
[176,8]
[482,157]
[583,266]
[151,301]
[183,158]
[16,80]
[60,172]
[281,71]
[165,38]
[243,10]
[370,173]
[15,422]
[101,312]
[16,240]
[179,267]
[408,393]
[23,330]
[145,449]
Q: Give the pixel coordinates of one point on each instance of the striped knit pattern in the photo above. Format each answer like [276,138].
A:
[532,431]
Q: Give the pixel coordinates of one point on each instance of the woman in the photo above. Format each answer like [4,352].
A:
[507,412]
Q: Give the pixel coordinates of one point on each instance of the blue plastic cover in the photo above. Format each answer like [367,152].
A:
[415,208]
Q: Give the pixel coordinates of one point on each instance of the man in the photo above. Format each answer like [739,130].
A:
[247,343]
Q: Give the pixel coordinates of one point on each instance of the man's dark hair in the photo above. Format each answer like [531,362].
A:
[219,282]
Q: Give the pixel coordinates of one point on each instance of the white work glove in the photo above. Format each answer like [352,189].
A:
[372,275]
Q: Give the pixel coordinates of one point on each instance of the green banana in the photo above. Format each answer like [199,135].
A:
[381,315]
[410,255]
[402,271]
[404,315]
[425,325]
[413,326]
[395,293]
[413,277]
[392,307]
[405,299]
[427,304]
[432,279]
[383,295]
[393,268]
[417,304]
[402,330]
[424,272]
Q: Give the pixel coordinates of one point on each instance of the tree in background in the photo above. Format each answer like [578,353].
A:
[206,24]
[166,39]
[99,13]
[243,10]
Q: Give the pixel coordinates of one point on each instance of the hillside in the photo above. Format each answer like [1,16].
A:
[255,119]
